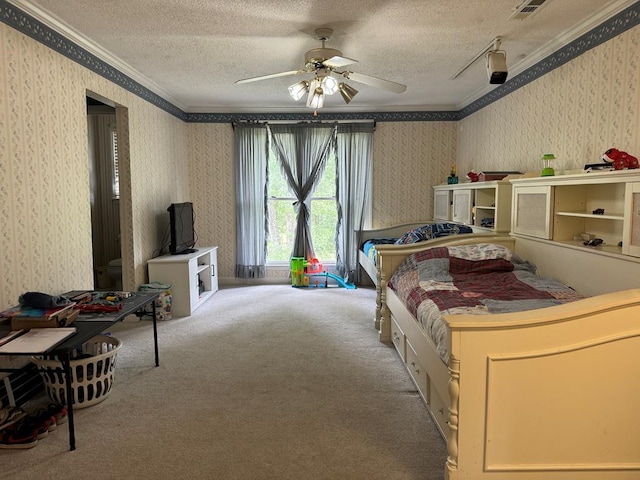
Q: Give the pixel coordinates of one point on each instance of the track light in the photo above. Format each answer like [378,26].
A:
[497,67]
[299,90]
[347,92]
[497,64]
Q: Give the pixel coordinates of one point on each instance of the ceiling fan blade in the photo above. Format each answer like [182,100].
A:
[375,82]
[266,77]
[338,62]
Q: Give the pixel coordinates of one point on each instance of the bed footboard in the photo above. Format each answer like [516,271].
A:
[545,394]
[549,393]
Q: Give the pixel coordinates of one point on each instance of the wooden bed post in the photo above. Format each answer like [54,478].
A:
[385,313]
[378,295]
[452,440]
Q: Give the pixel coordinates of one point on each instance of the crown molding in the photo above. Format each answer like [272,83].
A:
[55,24]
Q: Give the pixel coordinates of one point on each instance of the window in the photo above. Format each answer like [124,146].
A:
[341,156]
[282,217]
[116,171]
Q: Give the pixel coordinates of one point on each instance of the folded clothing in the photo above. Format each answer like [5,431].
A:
[42,300]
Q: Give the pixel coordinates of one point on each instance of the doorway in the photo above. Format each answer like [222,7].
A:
[104,181]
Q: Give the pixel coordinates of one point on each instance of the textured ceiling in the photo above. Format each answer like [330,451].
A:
[192,51]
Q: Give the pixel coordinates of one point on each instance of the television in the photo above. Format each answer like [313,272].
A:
[181,225]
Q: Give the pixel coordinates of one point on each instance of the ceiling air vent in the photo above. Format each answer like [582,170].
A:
[527,8]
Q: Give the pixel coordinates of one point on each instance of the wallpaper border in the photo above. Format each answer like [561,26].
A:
[435,116]
[21,21]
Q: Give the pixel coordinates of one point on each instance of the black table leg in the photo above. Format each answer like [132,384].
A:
[65,359]
[155,333]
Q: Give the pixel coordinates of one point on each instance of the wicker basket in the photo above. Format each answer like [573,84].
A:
[91,376]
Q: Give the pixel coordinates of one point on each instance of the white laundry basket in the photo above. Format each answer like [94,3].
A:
[92,374]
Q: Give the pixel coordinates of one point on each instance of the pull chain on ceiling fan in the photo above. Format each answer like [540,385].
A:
[324,63]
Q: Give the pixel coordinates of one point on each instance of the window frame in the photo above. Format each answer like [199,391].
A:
[323,198]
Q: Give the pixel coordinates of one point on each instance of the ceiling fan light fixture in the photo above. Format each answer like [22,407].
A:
[325,64]
[299,90]
[316,98]
[347,92]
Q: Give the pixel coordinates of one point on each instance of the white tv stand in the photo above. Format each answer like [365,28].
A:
[193,278]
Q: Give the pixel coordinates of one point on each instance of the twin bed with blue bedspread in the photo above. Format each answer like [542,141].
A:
[398,236]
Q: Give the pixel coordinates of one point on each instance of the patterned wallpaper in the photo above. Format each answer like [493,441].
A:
[576,112]
[409,157]
[159,177]
[45,244]
[44,176]
[211,181]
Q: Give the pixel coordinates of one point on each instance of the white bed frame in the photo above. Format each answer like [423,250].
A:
[546,394]
[394,231]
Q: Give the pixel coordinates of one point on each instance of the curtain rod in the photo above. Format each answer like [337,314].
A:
[495,45]
[296,122]
[289,122]
[321,121]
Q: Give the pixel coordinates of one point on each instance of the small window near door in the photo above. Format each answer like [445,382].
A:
[116,171]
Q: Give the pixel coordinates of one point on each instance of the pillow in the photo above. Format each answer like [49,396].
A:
[412,236]
[432,230]
[480,251]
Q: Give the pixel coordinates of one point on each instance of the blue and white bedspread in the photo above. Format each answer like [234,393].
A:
[369,247]
[419,234]
[471,279]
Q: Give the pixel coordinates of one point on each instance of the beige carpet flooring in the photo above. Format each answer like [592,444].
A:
[262,382]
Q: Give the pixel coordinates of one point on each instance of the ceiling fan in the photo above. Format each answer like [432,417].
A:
[323,62]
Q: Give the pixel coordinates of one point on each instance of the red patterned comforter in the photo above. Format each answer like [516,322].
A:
[471,279]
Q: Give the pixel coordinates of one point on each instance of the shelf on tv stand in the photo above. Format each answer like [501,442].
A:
[184,272]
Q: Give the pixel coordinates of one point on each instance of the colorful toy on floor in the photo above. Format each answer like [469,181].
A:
[309,274]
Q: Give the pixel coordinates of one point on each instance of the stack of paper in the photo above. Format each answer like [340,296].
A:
[37,340]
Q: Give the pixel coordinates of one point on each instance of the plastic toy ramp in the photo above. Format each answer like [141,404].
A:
[340,281]
[327,276]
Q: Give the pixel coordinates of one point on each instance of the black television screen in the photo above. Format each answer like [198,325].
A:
[181,225]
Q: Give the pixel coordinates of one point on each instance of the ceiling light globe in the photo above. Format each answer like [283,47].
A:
[329,85]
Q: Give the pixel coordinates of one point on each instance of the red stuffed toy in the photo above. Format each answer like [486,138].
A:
[473,176]
[619,159]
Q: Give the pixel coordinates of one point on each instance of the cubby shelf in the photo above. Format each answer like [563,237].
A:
[613,216]
[560,209]
[474,203]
